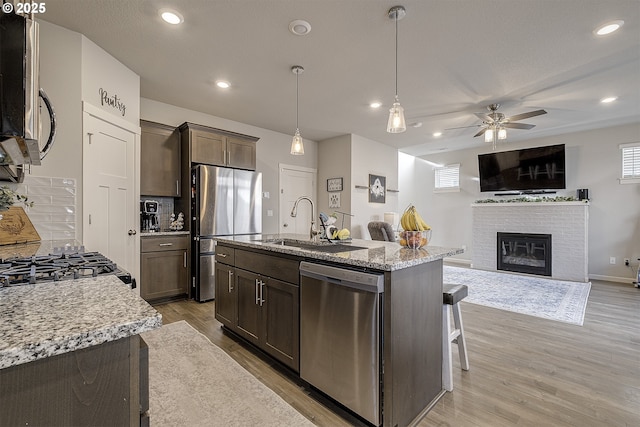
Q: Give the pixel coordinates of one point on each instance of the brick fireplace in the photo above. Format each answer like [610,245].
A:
[565,222]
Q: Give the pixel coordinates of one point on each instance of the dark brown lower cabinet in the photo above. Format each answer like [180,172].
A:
[226,295]
[97,386]
[261,309]
[164,267]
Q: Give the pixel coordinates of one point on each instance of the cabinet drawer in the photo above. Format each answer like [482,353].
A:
[225,255]
[269,265]
[164,243]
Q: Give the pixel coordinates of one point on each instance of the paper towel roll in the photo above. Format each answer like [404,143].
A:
[391,218]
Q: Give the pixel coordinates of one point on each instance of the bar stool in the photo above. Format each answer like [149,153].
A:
[451,296]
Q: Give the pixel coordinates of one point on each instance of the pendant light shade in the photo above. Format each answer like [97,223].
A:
[396,118]
[297,146]
[488,135]
[396,123]
[502,133]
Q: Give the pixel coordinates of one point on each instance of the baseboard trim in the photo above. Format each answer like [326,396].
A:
[465,262]
[628,280]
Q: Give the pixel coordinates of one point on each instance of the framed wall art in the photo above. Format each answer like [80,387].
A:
[377,188]
[334,184]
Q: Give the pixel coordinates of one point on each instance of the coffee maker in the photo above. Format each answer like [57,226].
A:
[149,221]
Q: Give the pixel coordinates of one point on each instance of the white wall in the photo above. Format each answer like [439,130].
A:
[272,148]
[60,77]
[593,161]
[371,157]
[334,161]
[108,84]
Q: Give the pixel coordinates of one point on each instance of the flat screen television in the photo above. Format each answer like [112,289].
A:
[529,169]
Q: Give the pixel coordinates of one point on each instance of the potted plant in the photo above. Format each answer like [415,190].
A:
[8,197]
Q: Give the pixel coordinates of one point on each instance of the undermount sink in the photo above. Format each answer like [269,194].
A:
[322,246]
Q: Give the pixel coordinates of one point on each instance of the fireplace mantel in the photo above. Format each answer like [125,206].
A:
[567,222]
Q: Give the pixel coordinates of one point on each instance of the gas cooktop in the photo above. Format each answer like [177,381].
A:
[57,266]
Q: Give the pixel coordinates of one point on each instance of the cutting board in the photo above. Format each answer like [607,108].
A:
[15,227]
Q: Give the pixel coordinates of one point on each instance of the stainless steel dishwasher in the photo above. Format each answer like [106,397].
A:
[340,335]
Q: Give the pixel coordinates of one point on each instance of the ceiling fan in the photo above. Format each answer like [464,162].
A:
[495,121]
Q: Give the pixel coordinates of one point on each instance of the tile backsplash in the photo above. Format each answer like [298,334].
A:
[53,213]
[166,207]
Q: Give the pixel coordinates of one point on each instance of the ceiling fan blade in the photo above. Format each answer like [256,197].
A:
[484,117]
[463,127]
[517,125]
[480,132]
[526,115]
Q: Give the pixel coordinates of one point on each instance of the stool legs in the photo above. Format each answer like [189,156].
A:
[452,333]
[462,344]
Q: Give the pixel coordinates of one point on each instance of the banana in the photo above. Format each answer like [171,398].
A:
[412,221]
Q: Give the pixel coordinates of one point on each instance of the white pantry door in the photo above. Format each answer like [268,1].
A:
[108,191]
[296,181]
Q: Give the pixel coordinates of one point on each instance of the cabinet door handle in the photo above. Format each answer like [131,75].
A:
[177,187]
[184,259]
[230,281]
[165,244]
[222,255]
[262,300]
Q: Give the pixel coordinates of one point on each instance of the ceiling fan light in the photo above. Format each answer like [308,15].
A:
[502,133]
[396,122]
[488,135]
[297,147]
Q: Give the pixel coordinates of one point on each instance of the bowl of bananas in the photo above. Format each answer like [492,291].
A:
[415,239]
[417,233]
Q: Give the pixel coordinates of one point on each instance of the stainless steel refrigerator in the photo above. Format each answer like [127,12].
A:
[225,202]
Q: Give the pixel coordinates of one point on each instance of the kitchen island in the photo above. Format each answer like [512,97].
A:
[267,315]
[70,352]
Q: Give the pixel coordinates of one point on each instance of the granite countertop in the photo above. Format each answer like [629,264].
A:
[43,320]
[386,256]
[163,233]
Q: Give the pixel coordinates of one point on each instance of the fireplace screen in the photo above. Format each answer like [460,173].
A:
[525,253]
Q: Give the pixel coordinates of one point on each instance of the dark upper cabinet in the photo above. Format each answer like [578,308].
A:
[159,160]
[218,147]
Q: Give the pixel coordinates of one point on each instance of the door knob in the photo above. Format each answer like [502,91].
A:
[132,232]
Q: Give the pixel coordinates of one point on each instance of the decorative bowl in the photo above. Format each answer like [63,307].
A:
[415,239]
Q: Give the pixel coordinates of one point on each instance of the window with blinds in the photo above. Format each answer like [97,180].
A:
[630,162]
[447,178]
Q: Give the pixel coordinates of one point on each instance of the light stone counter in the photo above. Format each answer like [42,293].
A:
[385,256]
[164,233]
[43,320]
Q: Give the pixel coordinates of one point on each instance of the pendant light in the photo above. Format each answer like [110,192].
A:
[297,146]
[396,122]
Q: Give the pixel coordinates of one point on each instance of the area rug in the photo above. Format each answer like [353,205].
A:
[192,382]
[559,300]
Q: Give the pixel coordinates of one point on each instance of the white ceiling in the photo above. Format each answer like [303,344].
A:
[455,58]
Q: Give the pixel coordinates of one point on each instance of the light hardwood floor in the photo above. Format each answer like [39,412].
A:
[525,371]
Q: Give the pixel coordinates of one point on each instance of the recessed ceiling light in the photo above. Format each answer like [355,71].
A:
[608,99]
[171,16]
[609,28]
[375,104]
[222,84]
[437,134]
[299,27]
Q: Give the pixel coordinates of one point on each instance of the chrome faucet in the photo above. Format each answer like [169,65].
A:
[312,232]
